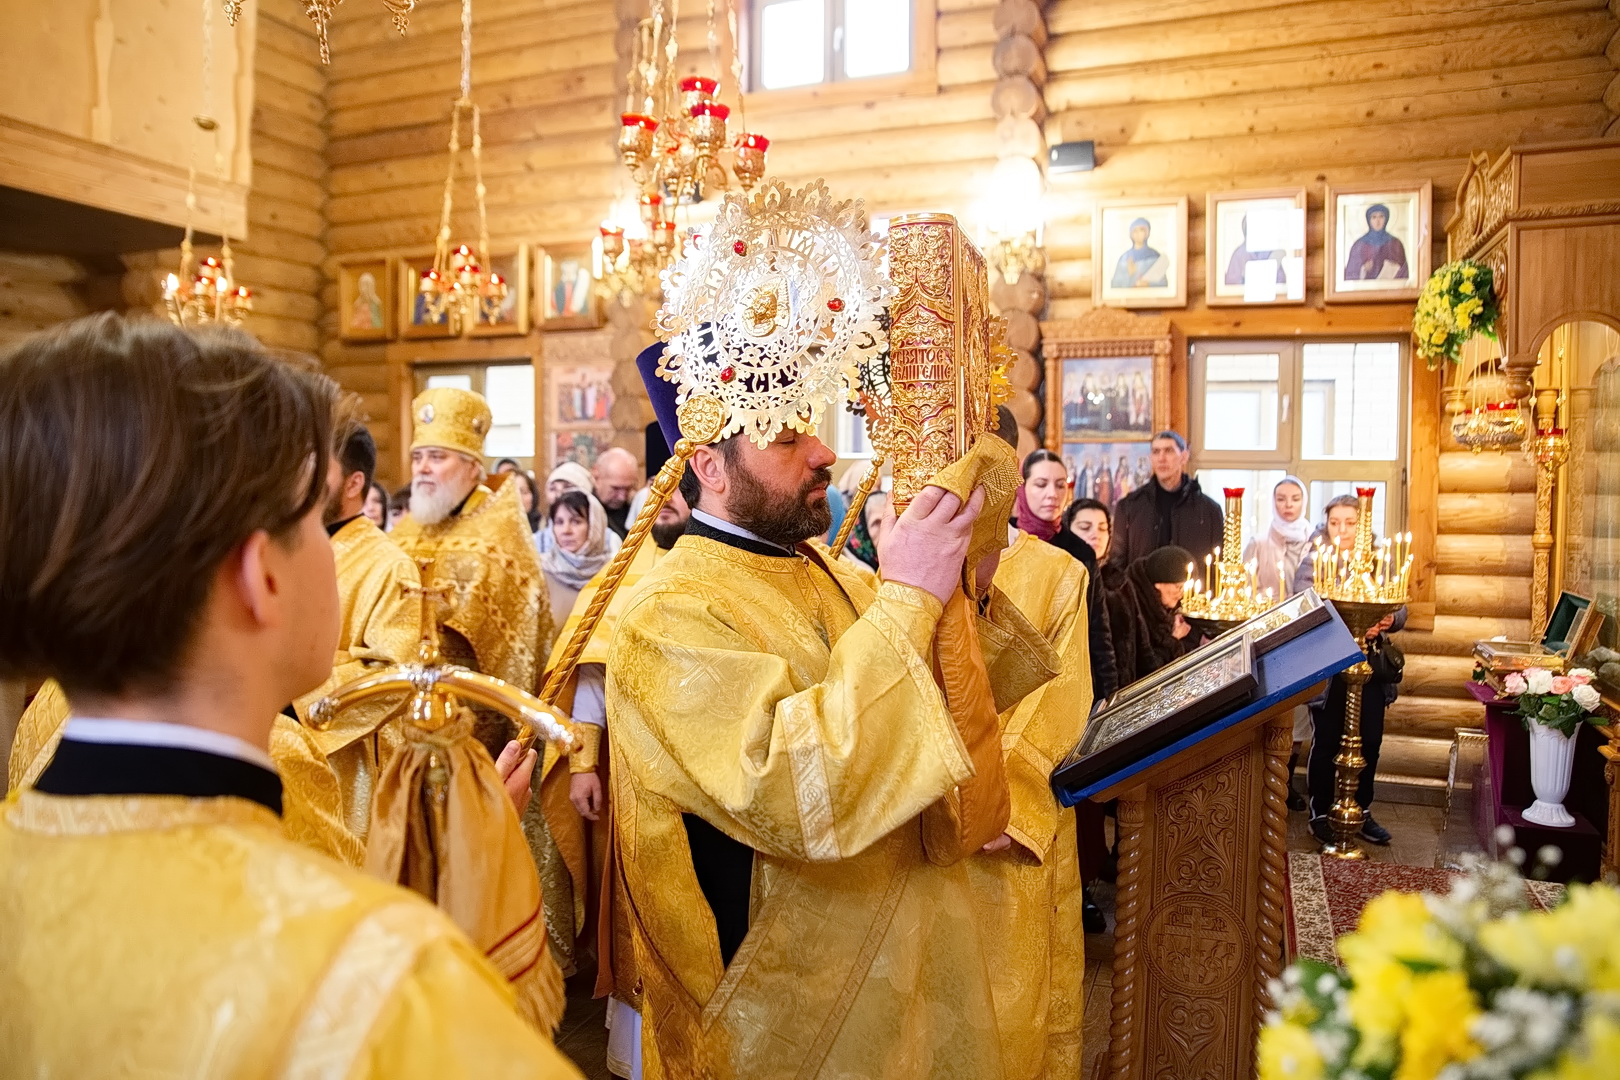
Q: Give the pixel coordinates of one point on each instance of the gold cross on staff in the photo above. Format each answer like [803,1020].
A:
[427,647]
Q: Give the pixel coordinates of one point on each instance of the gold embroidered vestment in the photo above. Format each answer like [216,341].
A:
[785,703]
[164,936]
[1029,895]
[380,625]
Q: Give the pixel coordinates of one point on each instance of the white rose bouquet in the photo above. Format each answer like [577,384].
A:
[1559,702]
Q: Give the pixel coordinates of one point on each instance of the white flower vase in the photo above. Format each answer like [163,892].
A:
[1552,759]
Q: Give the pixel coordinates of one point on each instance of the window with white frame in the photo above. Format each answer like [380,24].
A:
[508,387]
[808,42]
[1332,413]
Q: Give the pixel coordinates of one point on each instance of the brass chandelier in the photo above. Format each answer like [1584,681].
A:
[675,141]
[320,13]
[457,288]
[205,292]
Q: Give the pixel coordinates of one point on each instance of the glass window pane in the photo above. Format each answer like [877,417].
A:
[877,37]
[1351,401]
[792,43]
[1324,490]
[509,389]
[1240,401]
[454,382]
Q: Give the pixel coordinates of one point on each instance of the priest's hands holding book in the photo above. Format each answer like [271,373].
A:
[925,546]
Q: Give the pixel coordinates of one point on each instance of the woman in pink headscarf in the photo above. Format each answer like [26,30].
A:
[1043,495]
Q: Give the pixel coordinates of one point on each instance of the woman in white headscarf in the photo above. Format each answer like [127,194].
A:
[579,547]
[1286,542]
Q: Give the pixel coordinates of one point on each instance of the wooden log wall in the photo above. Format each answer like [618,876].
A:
[280,258]
[546,77]
[39,291]
[1195,96]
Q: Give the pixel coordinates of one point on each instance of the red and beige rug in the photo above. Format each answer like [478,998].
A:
[1325,897]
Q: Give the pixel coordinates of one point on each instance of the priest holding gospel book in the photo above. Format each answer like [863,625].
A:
[163,557]
[801,764]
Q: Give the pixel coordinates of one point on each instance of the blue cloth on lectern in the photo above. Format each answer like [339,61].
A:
[1314,656]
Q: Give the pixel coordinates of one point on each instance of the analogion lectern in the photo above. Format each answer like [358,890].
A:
[1197,756]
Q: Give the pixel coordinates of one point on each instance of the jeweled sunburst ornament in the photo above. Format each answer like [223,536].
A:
[774,311]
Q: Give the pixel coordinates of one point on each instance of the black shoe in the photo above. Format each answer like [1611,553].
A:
[1372,832]
[1296,801]
[1091,916]
[1322,829]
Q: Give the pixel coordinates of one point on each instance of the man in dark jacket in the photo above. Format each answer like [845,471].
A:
[1171,510]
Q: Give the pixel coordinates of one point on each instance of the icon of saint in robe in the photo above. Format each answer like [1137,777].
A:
[366,311]
[1141,266]
[1242,257]
[1377,256]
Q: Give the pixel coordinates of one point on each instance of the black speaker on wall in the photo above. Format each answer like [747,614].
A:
[1072,157]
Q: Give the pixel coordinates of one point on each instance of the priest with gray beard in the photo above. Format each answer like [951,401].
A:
[497,619]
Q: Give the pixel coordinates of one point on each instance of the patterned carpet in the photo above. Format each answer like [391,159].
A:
[1325,897]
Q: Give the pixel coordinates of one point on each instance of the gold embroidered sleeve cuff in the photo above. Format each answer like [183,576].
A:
[589,737]
[916,610]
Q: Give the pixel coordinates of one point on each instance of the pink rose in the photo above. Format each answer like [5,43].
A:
[1562,684]
[1514,684]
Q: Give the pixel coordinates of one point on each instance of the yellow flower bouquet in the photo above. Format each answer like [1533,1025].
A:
[1457,302]
[1467,986]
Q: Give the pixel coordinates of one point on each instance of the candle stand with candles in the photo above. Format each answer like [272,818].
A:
[1364,585]
[1228,593]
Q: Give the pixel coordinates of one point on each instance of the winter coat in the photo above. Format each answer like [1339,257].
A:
[1144,630]
[1195,522]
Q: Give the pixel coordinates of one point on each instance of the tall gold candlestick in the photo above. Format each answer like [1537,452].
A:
[1363,593]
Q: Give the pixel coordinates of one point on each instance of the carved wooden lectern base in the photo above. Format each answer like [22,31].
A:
[1202,859]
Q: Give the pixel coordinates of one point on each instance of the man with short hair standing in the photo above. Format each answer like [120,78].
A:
[617,476]
[232,951]
[1171,510]
[381,622]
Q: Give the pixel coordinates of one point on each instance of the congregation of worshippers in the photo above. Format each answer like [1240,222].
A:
[810,540]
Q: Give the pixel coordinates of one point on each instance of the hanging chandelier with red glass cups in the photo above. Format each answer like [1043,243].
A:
[457,288]
[676,141]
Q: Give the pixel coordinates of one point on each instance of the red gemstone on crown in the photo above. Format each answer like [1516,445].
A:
[740,247]
[728,373]
[835,305]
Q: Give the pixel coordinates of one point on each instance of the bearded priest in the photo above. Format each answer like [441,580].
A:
[794,787]
[165,562]
[498,618]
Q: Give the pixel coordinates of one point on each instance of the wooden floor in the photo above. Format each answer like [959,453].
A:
[1417,842]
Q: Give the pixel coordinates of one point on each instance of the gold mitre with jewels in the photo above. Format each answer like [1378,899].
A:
[768,315]
[450,418]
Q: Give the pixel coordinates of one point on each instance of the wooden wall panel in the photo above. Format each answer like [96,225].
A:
[1194,96]
[39,291]
[280,258]
[548,76]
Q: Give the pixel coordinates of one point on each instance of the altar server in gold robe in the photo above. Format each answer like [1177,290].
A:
[380,623]
[162,557]
[329,773]
[1027,886]
[785,764]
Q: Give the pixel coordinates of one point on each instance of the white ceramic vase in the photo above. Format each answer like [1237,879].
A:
[1552,757]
